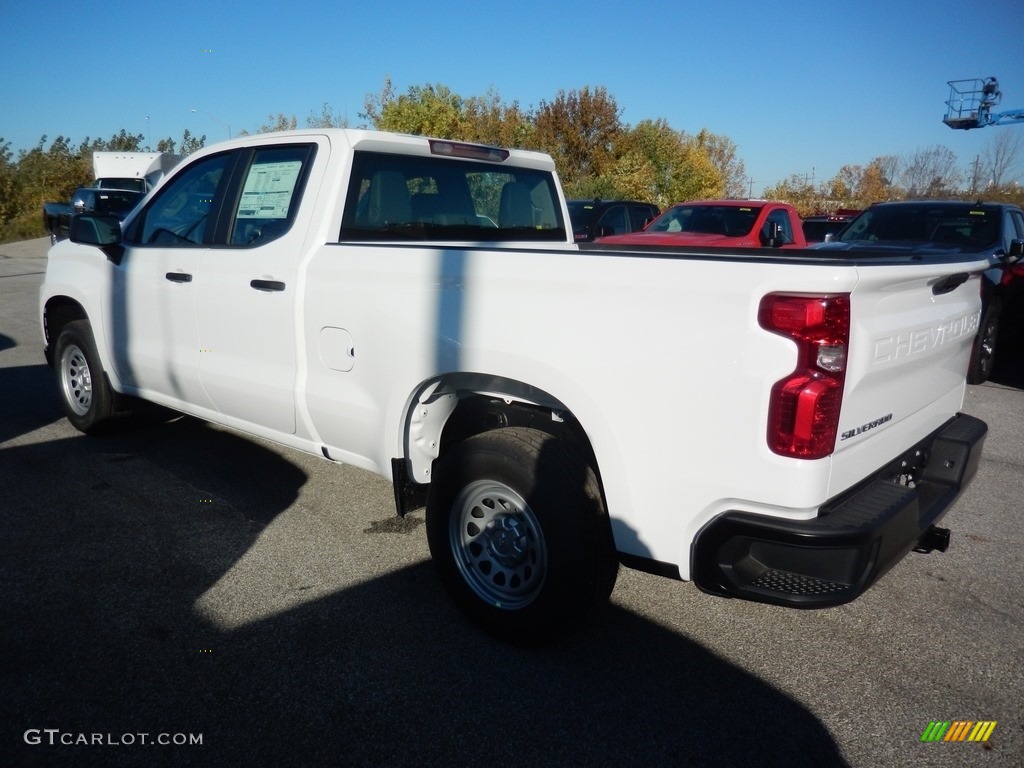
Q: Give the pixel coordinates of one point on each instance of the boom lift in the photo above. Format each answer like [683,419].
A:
[971,101]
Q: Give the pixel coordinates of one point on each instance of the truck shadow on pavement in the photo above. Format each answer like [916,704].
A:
[1008,369]
[114,546]
[28,402]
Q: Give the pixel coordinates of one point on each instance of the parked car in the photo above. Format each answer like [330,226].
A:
[594,218]
[942,228]
[721,223]
[818,228]
[118,202]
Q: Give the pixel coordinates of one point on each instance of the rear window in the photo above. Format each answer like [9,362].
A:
[967,226]
[404,197]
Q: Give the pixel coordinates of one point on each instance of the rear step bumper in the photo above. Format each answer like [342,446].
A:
[856,538]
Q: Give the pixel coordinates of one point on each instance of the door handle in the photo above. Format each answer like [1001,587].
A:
[949,283]
[179,277]
[267,285]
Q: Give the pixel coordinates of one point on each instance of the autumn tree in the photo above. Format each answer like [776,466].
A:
[721,150]
[798,191]
[857,186]
[579,130]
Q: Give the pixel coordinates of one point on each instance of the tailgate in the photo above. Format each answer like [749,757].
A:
[912,330]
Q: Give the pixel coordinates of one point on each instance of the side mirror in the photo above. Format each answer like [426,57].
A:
[1016,251]
[101,230]
[830,236]
[604,231]
[771,235]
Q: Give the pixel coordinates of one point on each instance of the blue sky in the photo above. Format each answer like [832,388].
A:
[800,87]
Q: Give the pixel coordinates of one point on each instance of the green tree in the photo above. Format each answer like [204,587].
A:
[278,122]
[189,144]
[655,162]
[426,110]
[798,192]
[488,121]
[327,118]
[435,110]
[10,190]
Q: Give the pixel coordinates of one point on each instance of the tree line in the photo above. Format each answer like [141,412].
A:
[930,173]
[595,152]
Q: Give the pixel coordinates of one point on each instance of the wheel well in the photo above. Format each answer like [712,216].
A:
[58,312]
[451,410]
[476,413]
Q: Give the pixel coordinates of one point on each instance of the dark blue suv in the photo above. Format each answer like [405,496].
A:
[600,218]
[933,228]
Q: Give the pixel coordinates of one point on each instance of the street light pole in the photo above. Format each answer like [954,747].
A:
[215,119]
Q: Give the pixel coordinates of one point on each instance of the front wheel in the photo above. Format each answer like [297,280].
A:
[84,392]
[518,531]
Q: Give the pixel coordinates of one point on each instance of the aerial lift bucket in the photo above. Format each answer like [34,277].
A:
[970,102]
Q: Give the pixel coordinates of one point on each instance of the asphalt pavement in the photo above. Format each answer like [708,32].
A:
[250,605]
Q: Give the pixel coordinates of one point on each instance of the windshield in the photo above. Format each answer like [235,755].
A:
[729,220]
[581,212]
[136,184]
[969,226]
[116,201]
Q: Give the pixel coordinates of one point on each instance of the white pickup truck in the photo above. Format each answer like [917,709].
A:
[779,428]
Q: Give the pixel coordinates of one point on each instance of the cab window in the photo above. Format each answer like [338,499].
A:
[179,215]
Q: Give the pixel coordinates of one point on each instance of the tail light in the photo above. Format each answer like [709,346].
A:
[803,415]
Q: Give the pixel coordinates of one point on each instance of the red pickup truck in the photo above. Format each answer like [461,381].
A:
[721,223]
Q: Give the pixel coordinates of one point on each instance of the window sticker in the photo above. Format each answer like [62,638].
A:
[268,190]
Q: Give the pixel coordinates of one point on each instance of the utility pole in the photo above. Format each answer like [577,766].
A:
[975,174]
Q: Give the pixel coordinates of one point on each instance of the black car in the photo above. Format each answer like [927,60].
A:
[934,228]
[600,218]
[818,228]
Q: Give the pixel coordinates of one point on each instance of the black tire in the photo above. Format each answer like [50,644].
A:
[983,354]
[518,531]
[84,391]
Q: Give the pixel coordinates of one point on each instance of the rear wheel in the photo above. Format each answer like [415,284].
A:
[84,392]
[518,530]
[983,354]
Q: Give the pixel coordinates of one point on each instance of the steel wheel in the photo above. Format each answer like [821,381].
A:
[75,379]
[84,391]
[498,544]
[518,531]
